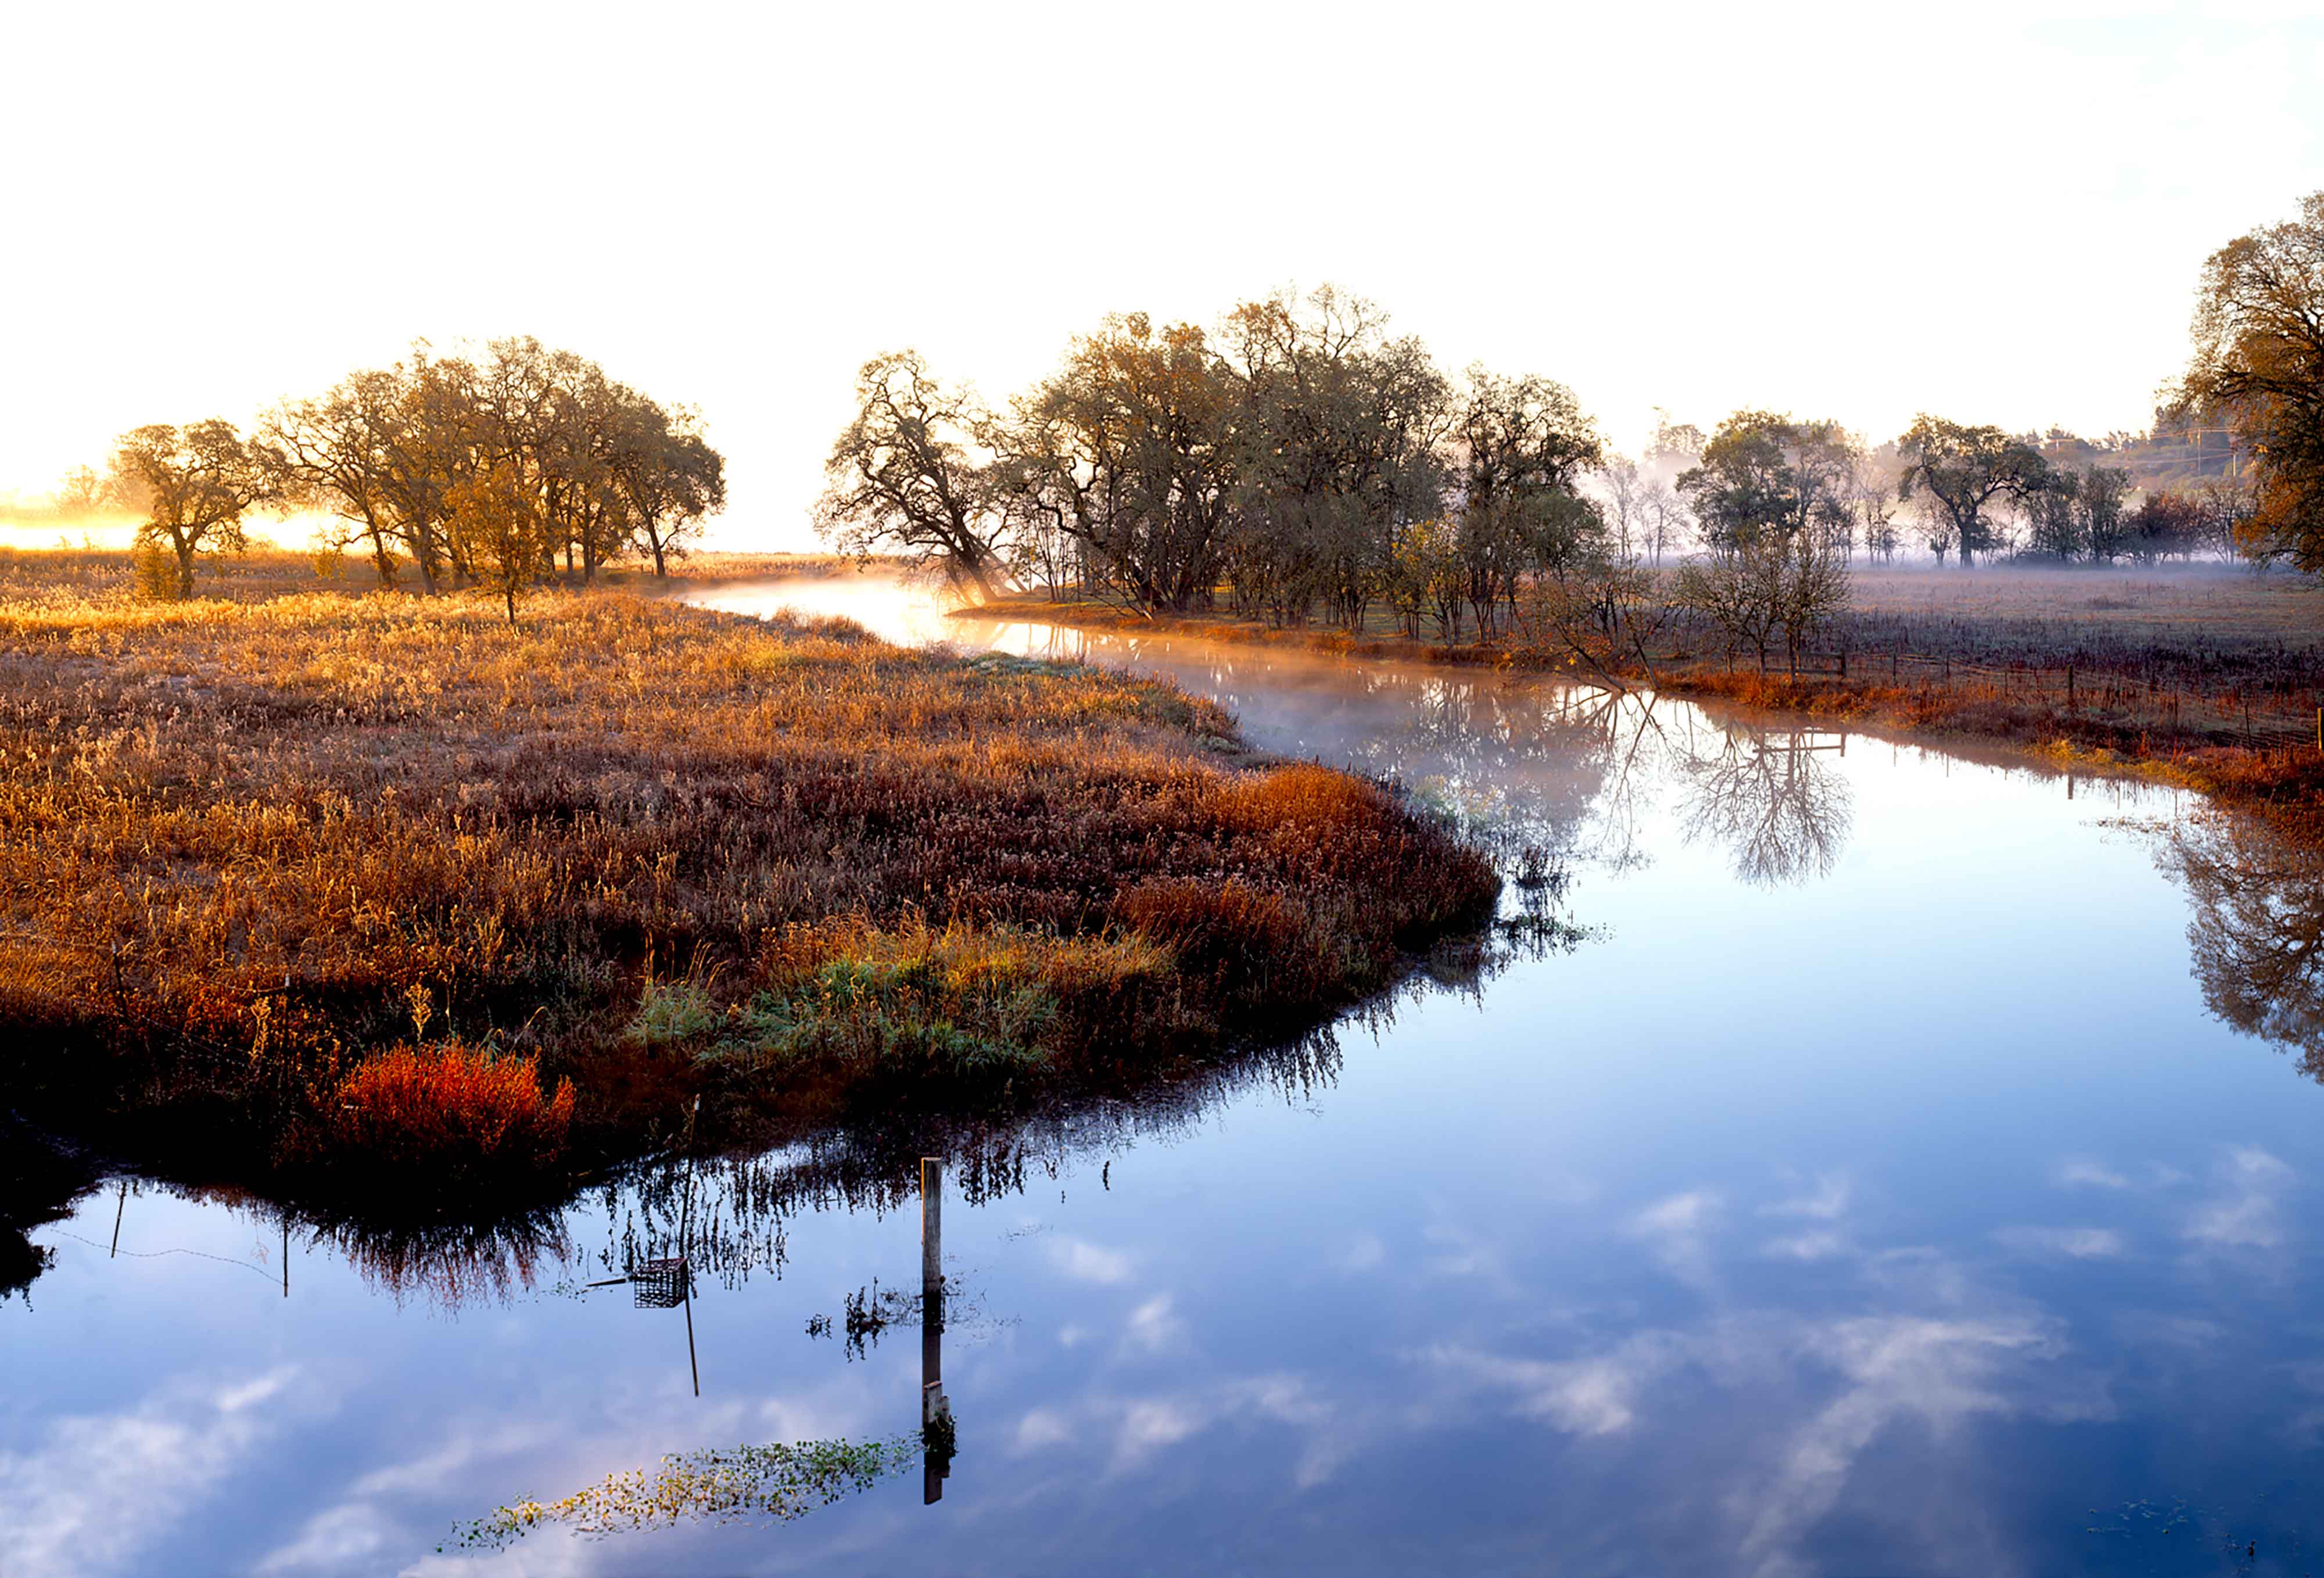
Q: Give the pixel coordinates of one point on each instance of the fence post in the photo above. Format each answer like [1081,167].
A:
[931,1223]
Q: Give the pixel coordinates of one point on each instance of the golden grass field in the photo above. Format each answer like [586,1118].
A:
[251,844]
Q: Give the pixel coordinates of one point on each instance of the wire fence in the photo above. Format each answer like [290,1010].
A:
[2262,717]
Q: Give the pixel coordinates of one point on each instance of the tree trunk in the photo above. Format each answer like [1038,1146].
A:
[185,551]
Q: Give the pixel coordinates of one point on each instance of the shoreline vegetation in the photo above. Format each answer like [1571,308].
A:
[381,898]
[1295,470]
[2189,678]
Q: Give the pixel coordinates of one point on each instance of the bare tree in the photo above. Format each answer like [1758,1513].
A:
[81,493]
[1774,496]
[901,476]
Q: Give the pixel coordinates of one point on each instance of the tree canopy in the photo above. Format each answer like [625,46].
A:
[1962,472]
[196,483]
[480,469]
[1297,456]
[2258,362]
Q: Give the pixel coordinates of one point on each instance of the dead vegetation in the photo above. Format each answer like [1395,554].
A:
[248,847]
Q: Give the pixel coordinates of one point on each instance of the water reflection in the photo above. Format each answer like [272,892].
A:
[450,1265]
[40,1181]
[2257,933]
[1771,799]
[1691,1252]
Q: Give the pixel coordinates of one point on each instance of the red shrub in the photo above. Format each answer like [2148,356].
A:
[451,1108]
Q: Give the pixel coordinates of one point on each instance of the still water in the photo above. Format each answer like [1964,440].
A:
[1863,1180]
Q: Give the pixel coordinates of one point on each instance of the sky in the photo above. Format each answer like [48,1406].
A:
[1994,213]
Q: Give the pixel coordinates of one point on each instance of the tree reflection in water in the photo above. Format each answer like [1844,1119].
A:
[2257,932]
[1773,799]
[41,1182]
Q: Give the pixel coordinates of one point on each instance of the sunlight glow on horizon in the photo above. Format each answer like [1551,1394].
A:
[1828,211]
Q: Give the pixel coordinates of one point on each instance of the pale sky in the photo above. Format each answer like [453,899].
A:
[1994,213]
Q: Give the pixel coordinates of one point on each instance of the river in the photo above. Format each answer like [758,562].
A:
[1849,1170]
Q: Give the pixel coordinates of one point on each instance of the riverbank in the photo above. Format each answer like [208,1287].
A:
[336,892]
[2208,680]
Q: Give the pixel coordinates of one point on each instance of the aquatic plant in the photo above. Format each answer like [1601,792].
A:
[722,1484]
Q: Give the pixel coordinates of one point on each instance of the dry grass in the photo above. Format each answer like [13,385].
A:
[65,574]
[245,844]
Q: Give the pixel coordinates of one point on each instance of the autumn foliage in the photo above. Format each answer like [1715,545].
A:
[450,1108]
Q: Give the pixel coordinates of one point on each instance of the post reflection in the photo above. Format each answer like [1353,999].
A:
[936,1411]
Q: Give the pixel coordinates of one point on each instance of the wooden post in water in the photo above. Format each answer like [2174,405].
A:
[935,1413]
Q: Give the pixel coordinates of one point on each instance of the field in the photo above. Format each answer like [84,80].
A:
[308,884]
[32,574]
[2212,630]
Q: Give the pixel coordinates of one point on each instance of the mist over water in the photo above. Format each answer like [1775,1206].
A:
[1860,1179]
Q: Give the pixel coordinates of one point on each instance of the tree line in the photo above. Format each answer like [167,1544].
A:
[479,470]
[1298,463]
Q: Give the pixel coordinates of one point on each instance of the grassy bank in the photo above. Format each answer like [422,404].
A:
[2209,679]
[320,886]
[32,575]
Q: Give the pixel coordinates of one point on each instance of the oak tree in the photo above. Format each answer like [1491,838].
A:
[197,483]
[2259,361]
[1963,471]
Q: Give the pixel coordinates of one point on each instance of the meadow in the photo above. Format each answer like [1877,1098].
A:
[327,889]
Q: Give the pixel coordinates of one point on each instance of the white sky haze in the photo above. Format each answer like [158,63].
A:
[1994,213]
